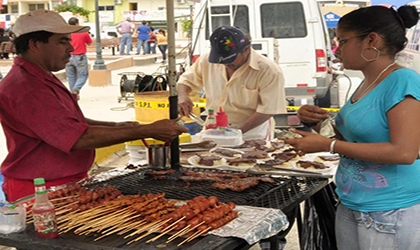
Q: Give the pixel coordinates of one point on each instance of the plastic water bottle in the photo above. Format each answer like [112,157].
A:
[221,118]
[43,212]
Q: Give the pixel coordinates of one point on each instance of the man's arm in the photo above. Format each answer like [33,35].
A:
[185,105]
[111,124]
[97,136]
[254,121]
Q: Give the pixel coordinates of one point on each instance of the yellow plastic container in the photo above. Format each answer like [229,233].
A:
[185,137]
[154,106]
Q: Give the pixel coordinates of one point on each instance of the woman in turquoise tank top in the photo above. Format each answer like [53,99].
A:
[378,134]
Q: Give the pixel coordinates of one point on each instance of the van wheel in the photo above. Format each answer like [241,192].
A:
[324,102]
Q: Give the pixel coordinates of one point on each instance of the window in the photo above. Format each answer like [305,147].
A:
[283,20]
[14,9]
[239,12]
[106,8]
[39,6]
[132,6]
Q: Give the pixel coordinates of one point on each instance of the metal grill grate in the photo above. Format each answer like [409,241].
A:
[283,194]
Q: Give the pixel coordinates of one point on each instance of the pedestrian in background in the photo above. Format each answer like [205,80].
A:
[126,30]
[77,69]
[162,41]
[377,134]
[4,37]
[143,36]
[152,41]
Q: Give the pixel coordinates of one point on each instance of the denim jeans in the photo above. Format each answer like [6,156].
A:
[126,39]
[395,229]
[144,44]
[152,47]
[162,49]
[77,71]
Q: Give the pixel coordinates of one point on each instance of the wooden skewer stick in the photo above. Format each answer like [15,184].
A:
[60,208]
[152,230]
[144,228]
[62,211]
[62,198]
[191,229]
[194,235]
[166,230]
[174,236]
[199,234]
[131,227]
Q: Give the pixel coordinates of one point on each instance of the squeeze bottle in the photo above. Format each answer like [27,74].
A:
[43,212]
[221,118]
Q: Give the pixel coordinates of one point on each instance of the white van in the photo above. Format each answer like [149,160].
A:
[297,25]
[410,56]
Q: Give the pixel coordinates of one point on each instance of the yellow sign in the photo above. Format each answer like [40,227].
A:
[162,105]
[165,105]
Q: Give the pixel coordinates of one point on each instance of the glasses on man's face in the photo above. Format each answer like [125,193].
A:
[342,41]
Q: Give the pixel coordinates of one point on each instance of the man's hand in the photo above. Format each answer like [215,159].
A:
[185,105]
[312,114]
[165,130]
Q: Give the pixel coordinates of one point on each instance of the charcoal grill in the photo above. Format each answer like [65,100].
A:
[286,193]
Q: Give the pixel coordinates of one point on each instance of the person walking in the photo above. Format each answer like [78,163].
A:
[126,30]
[143,36]
[162,41]
[77,69]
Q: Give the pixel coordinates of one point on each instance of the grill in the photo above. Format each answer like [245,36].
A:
[284,194]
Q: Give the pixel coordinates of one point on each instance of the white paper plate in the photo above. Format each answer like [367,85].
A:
[193,160]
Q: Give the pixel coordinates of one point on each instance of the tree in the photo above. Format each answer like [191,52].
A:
[73,9]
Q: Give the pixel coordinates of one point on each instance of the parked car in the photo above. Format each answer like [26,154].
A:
[297,25]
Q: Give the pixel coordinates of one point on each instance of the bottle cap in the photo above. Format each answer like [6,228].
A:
[39,181]
[211,111]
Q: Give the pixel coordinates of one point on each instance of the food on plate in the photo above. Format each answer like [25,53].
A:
[209,160]
[241,184]
[329,157]
[265,148]
[286,156]
[292,149]
[311,165]
[226,152]
[277,162]
[278,145]
[241,162]
[256,154]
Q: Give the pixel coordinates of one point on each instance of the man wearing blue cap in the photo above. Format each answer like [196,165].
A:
[247,85]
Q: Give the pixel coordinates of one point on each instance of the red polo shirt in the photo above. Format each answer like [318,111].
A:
[79,42]
[42,121]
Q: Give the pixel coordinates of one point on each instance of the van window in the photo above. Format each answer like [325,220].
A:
[283,20]
[239,12]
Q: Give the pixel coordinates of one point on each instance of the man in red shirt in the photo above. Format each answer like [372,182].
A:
[47,134]
[77,69]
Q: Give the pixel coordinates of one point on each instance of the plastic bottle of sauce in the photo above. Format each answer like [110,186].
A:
[43,212]
[211,121]
[221,118]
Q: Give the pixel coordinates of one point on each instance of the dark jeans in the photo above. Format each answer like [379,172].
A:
[163,49]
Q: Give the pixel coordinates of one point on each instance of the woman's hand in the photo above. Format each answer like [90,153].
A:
[312,114]
[310,142]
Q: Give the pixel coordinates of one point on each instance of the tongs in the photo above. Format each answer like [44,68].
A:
[270,170]
[196,118]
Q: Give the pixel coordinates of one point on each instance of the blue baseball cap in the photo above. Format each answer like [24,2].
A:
[226,43]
